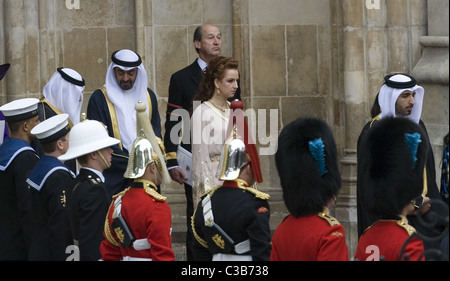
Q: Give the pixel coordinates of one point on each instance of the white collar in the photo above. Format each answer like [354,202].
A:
[202,64]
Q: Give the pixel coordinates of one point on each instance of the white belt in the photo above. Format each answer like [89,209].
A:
[227,257]
[128,258]
[141,244]
[242,247]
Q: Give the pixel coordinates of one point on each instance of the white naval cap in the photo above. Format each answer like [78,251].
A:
[21,109]
[52,129]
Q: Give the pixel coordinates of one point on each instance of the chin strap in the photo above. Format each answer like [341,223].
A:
[103,158]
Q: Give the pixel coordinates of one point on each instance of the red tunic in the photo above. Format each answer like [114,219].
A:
[384,240]
[317,237]
[148,216]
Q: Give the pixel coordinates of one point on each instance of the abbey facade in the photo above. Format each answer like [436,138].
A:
[322,58]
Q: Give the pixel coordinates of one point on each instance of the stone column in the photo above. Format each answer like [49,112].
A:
[355,116]
[49,41]
[432,73]
[22,48]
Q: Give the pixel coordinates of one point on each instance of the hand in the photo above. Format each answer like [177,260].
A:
[177,174]
[426,205]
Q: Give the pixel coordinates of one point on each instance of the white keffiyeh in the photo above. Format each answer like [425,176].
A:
[388,97]
[125,101]
[64,95]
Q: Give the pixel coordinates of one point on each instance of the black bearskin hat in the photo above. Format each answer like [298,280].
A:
[392,163]
[309,176]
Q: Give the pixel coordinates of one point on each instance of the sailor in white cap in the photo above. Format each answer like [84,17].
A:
[49,182]
[400,97]
[113,105]
[17,158]
[88,201]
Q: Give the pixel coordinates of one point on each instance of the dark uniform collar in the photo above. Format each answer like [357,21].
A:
[141,183]
[10,149]
[47,165]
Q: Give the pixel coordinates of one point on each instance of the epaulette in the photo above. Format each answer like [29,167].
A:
[211,191]
[121,193]
[331,220]
[404,224]
[257,193]
[94,180]
[153,193]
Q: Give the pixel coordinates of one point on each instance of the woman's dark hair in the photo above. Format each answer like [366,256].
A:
[216,70]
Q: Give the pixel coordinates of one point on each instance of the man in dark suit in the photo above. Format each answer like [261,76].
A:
[183,86]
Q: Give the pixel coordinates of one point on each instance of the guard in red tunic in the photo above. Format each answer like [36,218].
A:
[139,221]
[306,161]
[392,179]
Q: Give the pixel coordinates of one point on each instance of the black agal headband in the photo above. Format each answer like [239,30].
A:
[70,79]
[126,63]
[400,85]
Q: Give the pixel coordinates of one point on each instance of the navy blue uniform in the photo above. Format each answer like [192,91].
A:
[87,205]
[17,158]
[243,214]
[49,182]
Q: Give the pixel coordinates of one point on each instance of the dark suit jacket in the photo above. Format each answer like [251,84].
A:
[183,86]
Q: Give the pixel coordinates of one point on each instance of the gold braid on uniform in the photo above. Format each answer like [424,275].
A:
[257,193]
[197,237]
[107,228]
[121,193]
[376,118]
[242,184]
[109,235]
[150,189]
[404,224]
[211,191]
[331,220]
